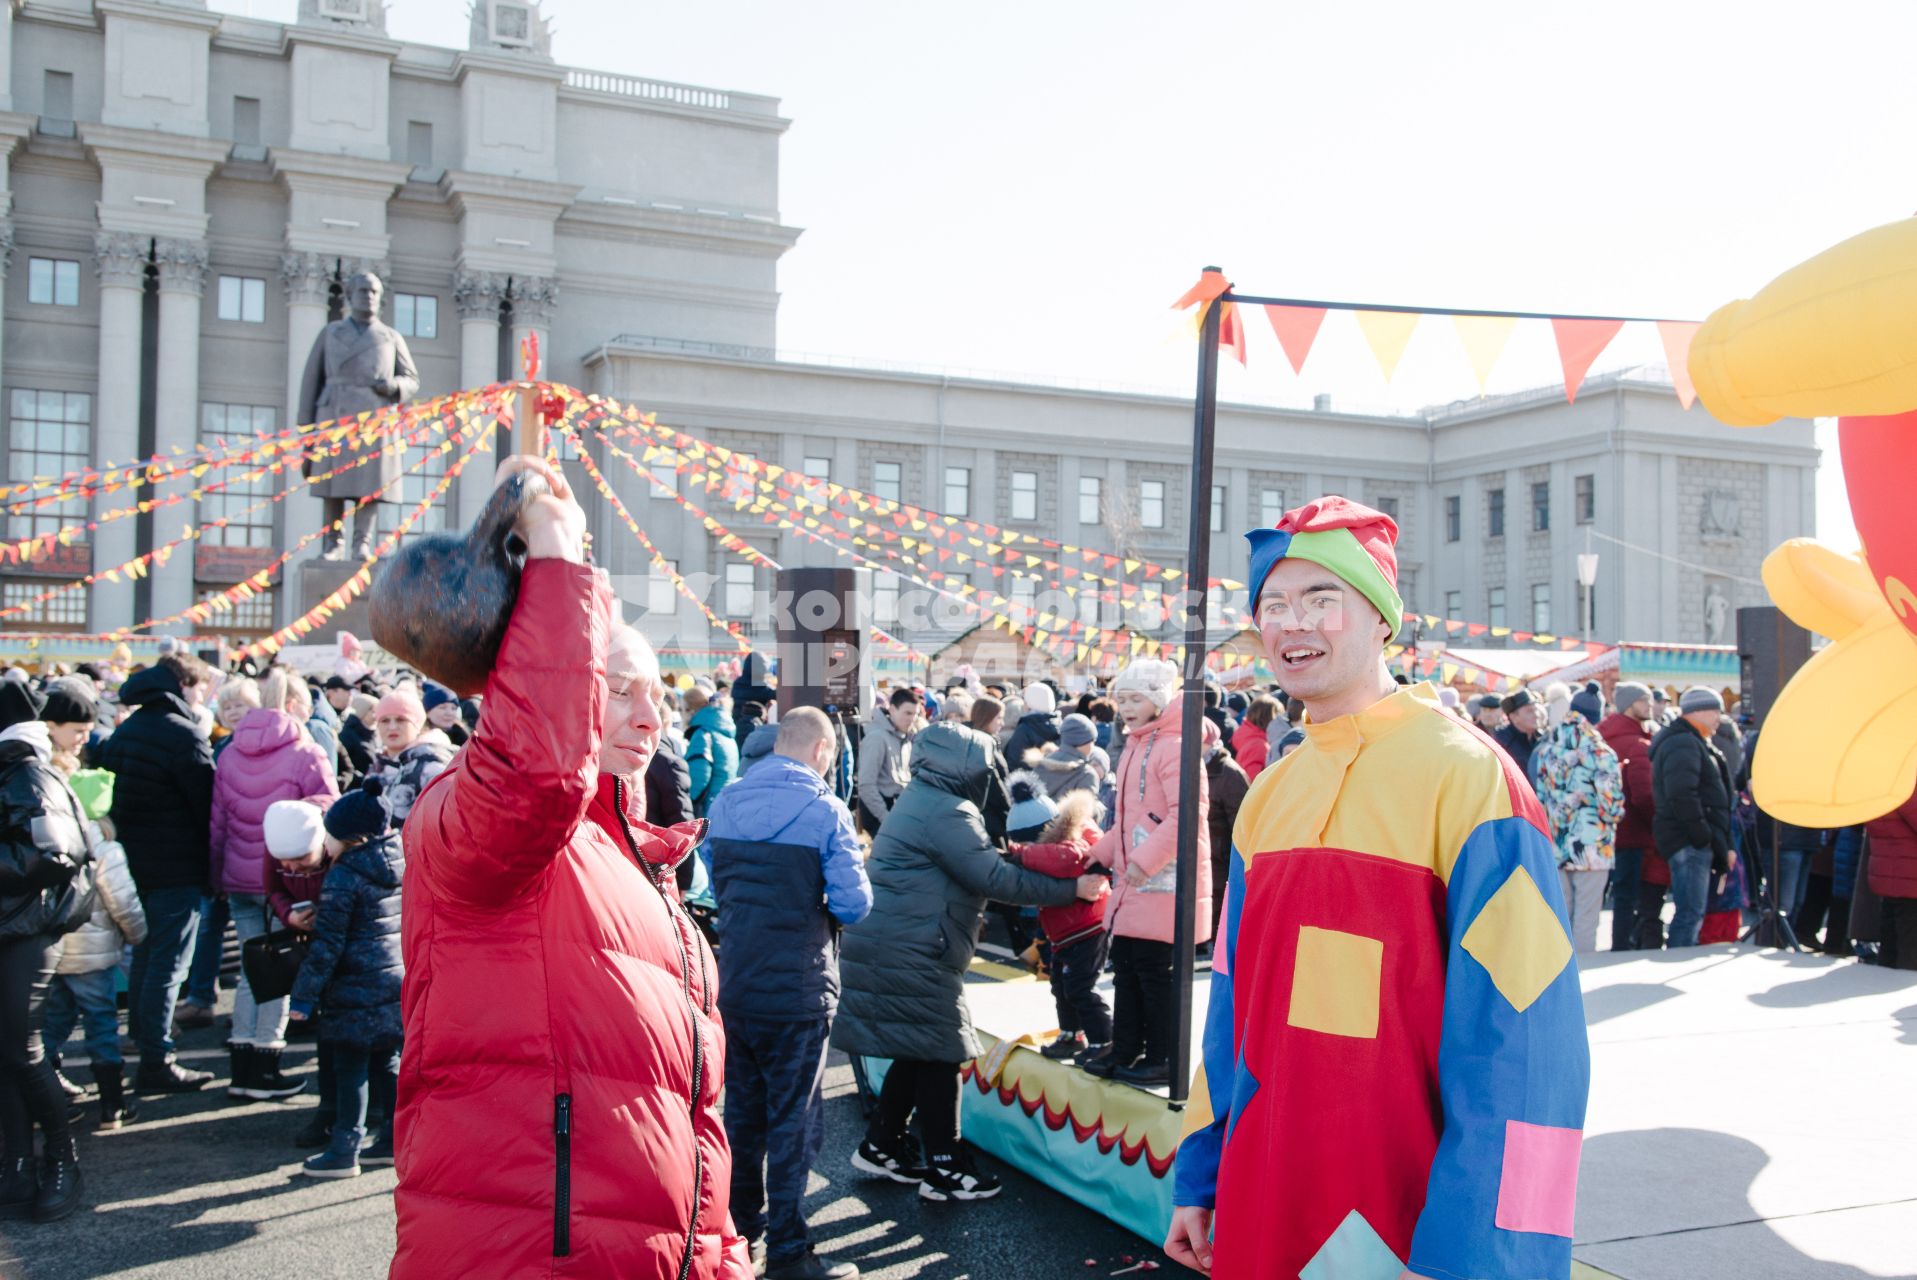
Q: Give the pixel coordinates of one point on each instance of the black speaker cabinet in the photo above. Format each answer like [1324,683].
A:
[820,617]
[1770,649]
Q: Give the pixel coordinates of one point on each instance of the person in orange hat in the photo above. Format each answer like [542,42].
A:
[1394,1058]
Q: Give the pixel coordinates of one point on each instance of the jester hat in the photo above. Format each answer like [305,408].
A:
[1346,537]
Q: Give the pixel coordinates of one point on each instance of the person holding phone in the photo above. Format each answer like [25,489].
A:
[1141,848]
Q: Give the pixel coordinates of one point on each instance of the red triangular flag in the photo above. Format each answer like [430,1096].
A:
[1580,342]
[1231,332]
[1677,335]
[1297,329]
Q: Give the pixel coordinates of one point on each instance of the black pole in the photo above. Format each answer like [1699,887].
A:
[1192,706]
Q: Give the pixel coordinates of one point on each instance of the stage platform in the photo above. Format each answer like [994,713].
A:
[1753,1116]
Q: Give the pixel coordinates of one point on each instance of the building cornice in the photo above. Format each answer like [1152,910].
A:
[321,171]
[506,64]
[170,14]
[365,42]
[154,150]
[465,189]
[630,223]
[658,106]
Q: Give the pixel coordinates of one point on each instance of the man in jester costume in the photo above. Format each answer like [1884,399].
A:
[1395,1064]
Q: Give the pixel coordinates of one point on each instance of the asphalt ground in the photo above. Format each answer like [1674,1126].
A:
[206,1188]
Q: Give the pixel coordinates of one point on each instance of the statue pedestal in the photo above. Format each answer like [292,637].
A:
[321,578]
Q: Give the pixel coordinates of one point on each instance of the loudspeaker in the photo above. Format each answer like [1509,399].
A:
[1770,649]
[820,619]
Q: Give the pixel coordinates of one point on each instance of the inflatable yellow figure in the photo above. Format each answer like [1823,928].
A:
[1837,337]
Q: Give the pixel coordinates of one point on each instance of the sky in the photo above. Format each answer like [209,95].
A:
[1023,188]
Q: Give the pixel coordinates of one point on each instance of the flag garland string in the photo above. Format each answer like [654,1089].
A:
[349,590]
[139,566]
[200,611]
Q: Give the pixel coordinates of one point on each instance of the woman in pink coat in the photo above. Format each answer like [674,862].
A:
[1141,848]
[270,758]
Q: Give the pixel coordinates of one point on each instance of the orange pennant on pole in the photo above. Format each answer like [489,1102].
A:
[1209,286]
[1677,335]
[1297,329]
[1231,332]
[1580,343]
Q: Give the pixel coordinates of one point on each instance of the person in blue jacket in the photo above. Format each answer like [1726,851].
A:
[788,872]
[712,749]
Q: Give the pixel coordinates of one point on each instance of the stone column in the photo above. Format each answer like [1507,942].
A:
[307,277]
[477,294]
[534,298]
[182,266]
[120,260]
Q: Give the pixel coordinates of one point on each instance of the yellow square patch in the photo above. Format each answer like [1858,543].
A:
[1519,941]
[1334,983]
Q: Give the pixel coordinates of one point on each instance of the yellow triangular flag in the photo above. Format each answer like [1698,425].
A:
[1387,333]
[1483,338]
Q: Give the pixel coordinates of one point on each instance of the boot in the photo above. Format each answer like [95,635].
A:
[73,1091]
[19,1184]
[239,1071]
[60,1183]
[116,1109]
[168,1076]
[1837,931]
[267,1083]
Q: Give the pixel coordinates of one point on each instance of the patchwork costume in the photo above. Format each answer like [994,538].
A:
[1395,1064]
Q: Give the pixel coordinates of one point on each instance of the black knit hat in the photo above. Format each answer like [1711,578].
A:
[360,815]
[18,703]
[66,704]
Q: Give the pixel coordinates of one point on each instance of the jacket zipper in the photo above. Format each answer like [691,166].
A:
[562,1176]
[692,1019]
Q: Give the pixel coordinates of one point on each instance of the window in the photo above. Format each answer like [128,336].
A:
[958,491]
[1587,607]
[1088,608]
[416,315]
[1271,507]
[1218,508]
[1151,504]
[66,611]
[1454,606]
[885,597]
[1453,518]
[1389,506]
[53,282]
[1494,504]
[246,121]
[511,23]
[415,484]
[223,427]
[1541,506]
[419,144]
[1025,495]
[738,592]
[1584,499]
[818,468]
[1024,592]
[665,479]
[253,614]
[662,597]
[886,480]
[243,298]
[1494,606]
[1541,606]
[1089,498]
[56,95]
[49,434]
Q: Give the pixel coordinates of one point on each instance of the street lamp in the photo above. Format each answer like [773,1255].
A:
[1587,578]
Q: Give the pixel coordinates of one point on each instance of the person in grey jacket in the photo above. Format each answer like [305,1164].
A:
[902,969]
[885,756]
[1077,764]
[85,979]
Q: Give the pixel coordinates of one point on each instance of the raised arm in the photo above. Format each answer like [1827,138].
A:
[527,775]
[965,853]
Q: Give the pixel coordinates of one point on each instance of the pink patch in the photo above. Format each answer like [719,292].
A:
[1221,946]
[1539,1189]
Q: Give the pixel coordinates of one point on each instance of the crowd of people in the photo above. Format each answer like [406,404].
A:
[495,914]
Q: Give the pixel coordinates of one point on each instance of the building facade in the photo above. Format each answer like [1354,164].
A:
[185,194]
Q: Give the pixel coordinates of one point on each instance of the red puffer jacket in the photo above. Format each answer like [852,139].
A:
[1893,852]
[558,1094]
[1065,855]
[1631,742]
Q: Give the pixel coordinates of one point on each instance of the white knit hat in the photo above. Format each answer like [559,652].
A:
[293,829]
[1039,698]
[1153,677]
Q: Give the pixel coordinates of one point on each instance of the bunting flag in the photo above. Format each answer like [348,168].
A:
[1387,333]
[1297,328]
[1484,339]
[1676,336]
[1580,342]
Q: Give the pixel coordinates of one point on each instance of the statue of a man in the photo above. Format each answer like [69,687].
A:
[357,364]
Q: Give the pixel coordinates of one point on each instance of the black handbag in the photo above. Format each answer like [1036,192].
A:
[272,962]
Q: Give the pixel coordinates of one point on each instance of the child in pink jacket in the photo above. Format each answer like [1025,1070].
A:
[1141,848]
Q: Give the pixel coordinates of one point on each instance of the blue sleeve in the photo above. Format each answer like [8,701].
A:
[1208,1114]
[698,762]
[848,894]
[1513,1067]
[331,922]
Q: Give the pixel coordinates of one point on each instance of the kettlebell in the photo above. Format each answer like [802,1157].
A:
[440,604]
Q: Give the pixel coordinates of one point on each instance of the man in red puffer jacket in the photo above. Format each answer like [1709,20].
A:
[1639,876]
[1893,877]
[558,1097]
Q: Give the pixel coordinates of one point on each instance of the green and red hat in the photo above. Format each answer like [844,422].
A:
[1346,537]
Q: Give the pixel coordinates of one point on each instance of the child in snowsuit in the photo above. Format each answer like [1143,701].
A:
[1077,932]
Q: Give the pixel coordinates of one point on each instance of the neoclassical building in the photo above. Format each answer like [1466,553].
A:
[185,194]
